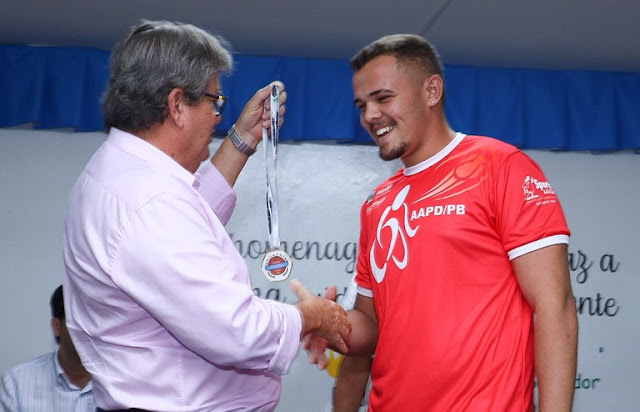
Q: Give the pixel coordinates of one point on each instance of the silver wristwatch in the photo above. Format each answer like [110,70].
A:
[239,143]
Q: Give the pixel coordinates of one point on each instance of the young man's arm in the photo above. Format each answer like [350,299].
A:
[543,276]
[351,383]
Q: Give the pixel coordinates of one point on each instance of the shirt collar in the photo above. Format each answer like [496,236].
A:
[62,377]
[425,164]
[155,157]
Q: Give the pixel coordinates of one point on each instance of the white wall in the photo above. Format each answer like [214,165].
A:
[37,171]
[321,188]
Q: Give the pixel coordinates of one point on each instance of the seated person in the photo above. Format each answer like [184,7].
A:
[56,381]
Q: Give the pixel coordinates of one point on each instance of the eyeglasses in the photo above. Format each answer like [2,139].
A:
[218,101]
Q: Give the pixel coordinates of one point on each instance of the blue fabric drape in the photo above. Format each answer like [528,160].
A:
[60,87]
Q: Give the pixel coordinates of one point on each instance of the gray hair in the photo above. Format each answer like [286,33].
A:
[151,60]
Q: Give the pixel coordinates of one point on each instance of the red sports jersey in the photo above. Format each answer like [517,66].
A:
[455,332]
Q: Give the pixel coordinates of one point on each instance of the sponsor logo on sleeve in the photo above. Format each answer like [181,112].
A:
[534,188]
[370,198]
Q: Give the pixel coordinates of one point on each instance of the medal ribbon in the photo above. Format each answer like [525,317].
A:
[270,143]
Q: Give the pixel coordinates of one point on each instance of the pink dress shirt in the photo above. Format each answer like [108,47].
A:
[158,301]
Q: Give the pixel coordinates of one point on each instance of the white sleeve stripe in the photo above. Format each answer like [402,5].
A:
[365,292]
[538,244]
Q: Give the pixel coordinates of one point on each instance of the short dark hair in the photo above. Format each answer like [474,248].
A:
[409,49]
[57,304]
[151,60]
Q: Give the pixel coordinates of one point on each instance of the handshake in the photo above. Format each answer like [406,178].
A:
[324,323]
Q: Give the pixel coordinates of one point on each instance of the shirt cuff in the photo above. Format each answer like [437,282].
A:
[538,244]
[364,291]
[289,341]
[216,191]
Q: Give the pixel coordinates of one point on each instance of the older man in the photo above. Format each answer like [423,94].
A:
[160,304]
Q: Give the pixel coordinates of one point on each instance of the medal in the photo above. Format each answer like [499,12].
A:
[277,264]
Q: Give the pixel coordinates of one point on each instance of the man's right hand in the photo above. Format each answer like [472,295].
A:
[256,115]
[322,317]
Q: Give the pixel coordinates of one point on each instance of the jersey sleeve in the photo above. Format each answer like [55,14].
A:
[363,265]
[528,213]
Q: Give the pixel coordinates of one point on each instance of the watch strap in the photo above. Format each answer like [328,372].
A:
[239,143]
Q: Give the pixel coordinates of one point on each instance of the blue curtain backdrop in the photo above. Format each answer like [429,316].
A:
[60,87]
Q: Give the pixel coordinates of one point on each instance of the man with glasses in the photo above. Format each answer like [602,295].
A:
[159,301]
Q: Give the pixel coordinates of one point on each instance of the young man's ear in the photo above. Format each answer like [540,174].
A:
[434,87]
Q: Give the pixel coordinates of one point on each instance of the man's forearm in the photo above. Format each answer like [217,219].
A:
[556,338]
[364,337]
[351,383]
[229,161]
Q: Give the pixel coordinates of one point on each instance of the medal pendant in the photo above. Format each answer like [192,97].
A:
[276,265]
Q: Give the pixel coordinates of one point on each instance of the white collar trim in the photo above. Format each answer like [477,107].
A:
[425,164]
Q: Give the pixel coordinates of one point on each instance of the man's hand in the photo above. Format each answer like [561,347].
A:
[323,318]
[316,346]
[255,114]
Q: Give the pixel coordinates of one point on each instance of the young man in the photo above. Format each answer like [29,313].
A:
[56,381]
[160,304]
[463,279]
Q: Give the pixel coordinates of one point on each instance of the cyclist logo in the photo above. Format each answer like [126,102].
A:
[390,233]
